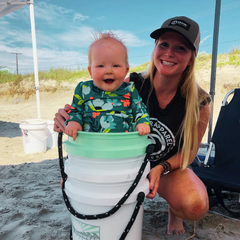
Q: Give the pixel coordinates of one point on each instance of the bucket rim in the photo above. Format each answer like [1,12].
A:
[33,121]
[110,133]
[107,145]
[33,124]
[107,136]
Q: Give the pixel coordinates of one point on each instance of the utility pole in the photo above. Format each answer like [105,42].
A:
[16,60]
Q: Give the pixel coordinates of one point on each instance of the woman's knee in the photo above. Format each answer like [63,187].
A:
[186,194]
[195,208]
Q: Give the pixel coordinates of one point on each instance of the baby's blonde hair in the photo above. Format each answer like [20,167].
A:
[99,36]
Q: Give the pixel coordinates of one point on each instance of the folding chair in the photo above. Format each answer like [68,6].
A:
[224,175]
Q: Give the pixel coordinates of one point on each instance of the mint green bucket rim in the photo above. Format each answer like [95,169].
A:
[107,145]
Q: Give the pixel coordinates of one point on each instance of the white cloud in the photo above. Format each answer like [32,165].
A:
[16,36]
[55,15]
[101,18]
[130,40]
[51,14]
[67,49]
[46,58]
[203,40]
[77,37]
[60,43]
[79,16]
[51,58]
[83,36]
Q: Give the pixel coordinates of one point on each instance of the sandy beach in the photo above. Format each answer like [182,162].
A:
[32,206]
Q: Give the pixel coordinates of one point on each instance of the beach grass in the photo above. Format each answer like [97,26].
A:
[19,82]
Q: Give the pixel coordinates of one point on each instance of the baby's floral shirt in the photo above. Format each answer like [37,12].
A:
[99,111]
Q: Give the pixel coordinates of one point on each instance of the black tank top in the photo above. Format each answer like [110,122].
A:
[165,122]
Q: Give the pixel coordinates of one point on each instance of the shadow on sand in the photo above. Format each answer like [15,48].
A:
[9,129]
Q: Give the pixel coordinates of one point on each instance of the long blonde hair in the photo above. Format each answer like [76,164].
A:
[189,128]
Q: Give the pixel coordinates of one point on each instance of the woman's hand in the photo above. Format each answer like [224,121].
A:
[154,180]
[60,117]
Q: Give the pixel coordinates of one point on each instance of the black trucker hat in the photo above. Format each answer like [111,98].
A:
[183,25]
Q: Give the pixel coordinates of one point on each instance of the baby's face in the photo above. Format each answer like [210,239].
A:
[108,66]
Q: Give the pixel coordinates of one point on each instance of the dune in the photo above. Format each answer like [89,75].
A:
[31,200]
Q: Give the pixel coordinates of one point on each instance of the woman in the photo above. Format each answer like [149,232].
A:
[179,113]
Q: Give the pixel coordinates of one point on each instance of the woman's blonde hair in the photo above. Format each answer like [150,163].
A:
[99,36]
[189,89]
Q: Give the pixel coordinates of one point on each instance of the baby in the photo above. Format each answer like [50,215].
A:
[107,104]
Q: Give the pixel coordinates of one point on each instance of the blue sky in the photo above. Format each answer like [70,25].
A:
[64,29]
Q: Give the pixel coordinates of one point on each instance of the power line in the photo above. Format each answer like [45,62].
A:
[221,43]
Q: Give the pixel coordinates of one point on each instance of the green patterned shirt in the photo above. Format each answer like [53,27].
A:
[99,111]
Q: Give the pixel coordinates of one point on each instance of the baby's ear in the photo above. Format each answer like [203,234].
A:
[90,70]
[127,69]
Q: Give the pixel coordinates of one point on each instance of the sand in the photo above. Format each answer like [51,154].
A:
[31,200]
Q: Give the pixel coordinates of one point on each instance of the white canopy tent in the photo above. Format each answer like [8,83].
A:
[8,6]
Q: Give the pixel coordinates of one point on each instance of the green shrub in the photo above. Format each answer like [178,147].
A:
[9,77]
[140,68]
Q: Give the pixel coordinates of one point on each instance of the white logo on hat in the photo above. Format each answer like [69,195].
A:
[180,23]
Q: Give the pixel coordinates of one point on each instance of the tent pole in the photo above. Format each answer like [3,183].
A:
[35,57]
[214,63]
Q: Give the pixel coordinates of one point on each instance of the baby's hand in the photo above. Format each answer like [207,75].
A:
[72,128]
[143,129]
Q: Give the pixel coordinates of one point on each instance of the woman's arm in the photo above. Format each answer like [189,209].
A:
[60,117]
[156,172]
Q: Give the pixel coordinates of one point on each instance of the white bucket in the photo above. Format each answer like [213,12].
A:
[51,135]
[95,185]
[34,135]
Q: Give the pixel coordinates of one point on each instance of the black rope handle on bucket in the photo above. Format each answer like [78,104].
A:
[140,197]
